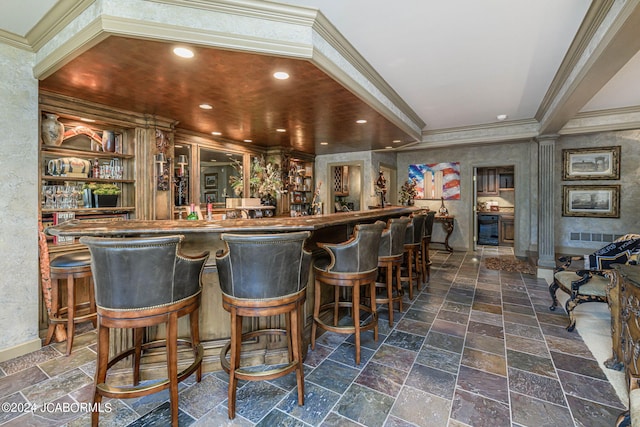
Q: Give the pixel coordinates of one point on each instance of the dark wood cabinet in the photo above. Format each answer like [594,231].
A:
[507,229]
[487,182]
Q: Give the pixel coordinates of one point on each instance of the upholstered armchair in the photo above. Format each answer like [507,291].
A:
[588,278]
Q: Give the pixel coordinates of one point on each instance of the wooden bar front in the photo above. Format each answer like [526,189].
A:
[205,236]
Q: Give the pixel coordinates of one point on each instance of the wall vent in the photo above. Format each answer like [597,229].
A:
[594,237]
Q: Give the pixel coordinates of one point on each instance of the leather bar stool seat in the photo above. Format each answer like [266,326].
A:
[71,267]
[412,245]
[352,264]
[142,282]
[390,255]
[263,275]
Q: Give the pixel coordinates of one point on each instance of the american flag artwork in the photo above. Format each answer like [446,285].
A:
[437,180]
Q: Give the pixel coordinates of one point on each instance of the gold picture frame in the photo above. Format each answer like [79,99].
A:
[591,163]
[595,201]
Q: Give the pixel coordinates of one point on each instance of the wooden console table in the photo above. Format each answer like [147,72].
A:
[448,224]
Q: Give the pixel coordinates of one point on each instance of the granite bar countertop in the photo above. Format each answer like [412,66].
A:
[254,225]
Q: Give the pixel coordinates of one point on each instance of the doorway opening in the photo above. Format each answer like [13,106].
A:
[345,186]
[494,206]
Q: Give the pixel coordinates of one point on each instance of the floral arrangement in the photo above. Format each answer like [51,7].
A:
[265,178]
[408,191]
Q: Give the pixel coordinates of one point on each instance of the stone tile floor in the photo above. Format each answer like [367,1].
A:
[476,347]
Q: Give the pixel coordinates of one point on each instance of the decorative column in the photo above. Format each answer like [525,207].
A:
[546,188]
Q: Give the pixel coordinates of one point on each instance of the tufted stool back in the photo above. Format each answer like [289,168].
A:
[392,239]
[263,275]
[135,273]
[415,230]
[358,254]
[262,266]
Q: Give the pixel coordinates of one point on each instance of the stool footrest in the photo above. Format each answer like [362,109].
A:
[121,392]
[268,374]
[364,326]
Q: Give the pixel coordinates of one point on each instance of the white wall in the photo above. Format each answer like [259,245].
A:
[19,282]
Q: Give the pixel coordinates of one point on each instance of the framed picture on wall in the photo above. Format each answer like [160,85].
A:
[591,163]
[211,197]
[210,180]
[596,201]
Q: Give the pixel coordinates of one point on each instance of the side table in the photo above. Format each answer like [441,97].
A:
[448,225]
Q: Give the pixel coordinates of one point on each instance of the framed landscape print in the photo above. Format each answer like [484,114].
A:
[597,201]
[591,163]
[210,180]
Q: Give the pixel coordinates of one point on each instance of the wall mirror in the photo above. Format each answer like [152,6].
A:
[220,176]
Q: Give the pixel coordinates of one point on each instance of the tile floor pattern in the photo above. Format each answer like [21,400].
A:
[476,347]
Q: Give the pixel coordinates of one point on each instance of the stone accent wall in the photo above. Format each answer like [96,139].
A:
[19,284]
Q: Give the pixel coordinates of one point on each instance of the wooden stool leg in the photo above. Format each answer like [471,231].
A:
[316,312]
[236,345]
[374,312]
[102,361]
[399,285]
[336,304]
[356,318]
[172,365]
[195,339]
[410,272]
[138,334]
[55,308]
[71,311]
[389,268]
[92,301]
[295,335]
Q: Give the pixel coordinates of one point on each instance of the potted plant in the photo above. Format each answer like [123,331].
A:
[408,192]
[101,195]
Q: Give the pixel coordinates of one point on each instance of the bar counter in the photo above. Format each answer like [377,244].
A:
[254,225]
[203,235]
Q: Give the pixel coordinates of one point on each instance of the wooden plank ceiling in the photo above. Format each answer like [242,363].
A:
[248,103]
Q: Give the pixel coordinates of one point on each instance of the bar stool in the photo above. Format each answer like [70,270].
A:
[390,257]
[352,264]
[263,275]
[412,244]
[70,267]
[141,282]
[426,241]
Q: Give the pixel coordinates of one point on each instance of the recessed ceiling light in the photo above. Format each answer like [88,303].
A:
[216,133]
[324,143]
[281,130]
[281,75]
[205,106]
[388,147]
[395,141]
[361,121]
[183,52]
[248,140]
[87,120]
[501,116]
[228,154]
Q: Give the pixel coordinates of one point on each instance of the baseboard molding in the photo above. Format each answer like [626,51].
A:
[19,350]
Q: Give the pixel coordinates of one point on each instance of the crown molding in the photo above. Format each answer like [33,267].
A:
[331,35]
[603,121]
[55,20]
[325,46]
[15,40]
[592,21]
[515,130]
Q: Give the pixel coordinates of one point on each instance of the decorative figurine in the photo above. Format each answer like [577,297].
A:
[381,183]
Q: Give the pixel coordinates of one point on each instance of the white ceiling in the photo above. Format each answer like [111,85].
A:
[457,62]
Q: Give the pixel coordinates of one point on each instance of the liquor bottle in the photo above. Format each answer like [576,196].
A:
[192,212]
